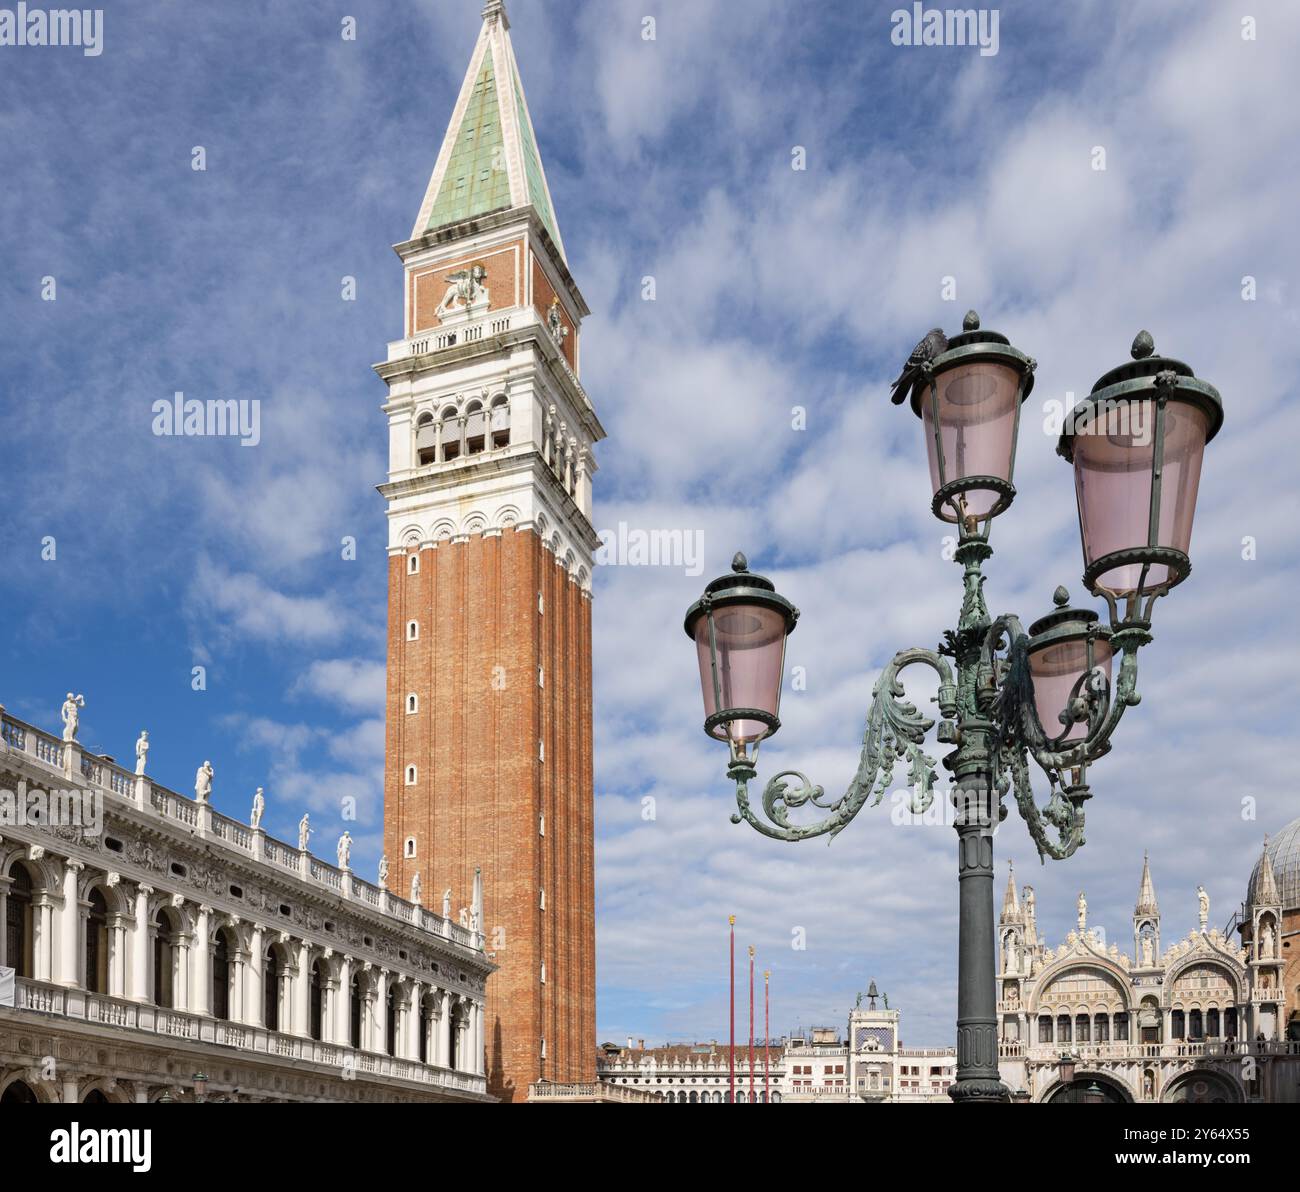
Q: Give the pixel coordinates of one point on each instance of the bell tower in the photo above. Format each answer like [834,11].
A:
[489,743]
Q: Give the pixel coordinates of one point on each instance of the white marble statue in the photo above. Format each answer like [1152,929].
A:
[1267,940]
[203,783]
[141,752]
[446,903]
[1203,900]
[1029,902]
[71,715]
[383,872]
[465,292]
[304,832]
[415,889]
[345,850]
[259,808]
[464,917]
[1148,952]
[1083,913]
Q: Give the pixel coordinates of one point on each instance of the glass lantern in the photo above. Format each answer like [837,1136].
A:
[1136,443]
[739,627]
[969,402]
[1069,655]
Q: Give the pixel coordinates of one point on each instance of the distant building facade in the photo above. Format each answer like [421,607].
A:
[821,1067]
[1207,1019]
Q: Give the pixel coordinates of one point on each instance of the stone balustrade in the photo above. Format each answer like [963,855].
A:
[100,773]
[46,998]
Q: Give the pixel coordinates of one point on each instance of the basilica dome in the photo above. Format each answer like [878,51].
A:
[1284,854]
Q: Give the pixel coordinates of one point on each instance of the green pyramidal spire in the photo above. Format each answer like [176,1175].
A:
[489,159]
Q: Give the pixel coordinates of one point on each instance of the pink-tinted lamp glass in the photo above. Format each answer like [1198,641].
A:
[751,646]
[977,424]
[1112,477]
[1055,669]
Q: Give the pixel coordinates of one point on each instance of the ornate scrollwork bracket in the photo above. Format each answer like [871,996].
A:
[895,730]
[1064,759]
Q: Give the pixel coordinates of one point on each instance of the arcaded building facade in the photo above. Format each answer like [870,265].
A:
[149,940]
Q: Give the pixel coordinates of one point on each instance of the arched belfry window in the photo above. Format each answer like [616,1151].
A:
[450,434]
[475,428]
[500,421]
[426,440]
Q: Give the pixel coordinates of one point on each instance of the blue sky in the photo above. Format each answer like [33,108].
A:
[775,288]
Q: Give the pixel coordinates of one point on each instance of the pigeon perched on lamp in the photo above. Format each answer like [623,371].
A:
[934,344]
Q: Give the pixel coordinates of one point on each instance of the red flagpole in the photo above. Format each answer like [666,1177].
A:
[732,920]
[751,1024]
[767,1034]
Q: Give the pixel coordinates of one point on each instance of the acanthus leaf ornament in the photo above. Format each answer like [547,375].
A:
[895,730]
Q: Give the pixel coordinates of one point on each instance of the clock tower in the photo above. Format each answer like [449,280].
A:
[490,434]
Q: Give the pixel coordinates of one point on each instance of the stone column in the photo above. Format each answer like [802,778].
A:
[255,991]
[479,1040]
[69,925]
[302,1002]
[4,920]
[43,935]
[415,1023]
[117,926]
[462,1032]
[329,1010]
[238,984]
[141,938]
[430,1032]
[181,971]
[444,1032]
[471,1038]
[201,1001]
[379,1038]
[343,1008]
[69,1089]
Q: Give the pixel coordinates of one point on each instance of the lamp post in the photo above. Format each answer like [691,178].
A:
[751,1024]
[731,1054]
[1136,444]
[767,1033]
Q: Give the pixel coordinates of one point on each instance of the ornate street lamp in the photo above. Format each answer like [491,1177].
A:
[739,627]
[1136,444]
[969,400]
